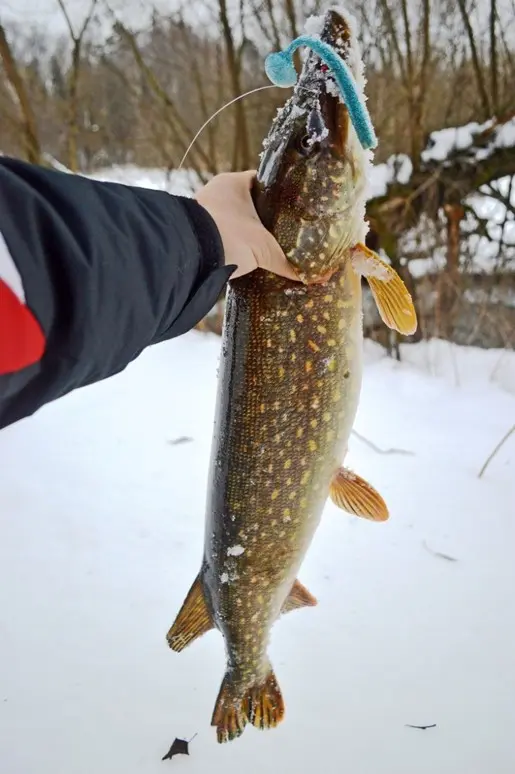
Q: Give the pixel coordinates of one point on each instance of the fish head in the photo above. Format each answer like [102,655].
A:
[311,185]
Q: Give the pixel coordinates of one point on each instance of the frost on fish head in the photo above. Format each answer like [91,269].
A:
[311,187]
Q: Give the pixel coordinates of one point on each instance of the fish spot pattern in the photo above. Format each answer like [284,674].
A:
[285,416]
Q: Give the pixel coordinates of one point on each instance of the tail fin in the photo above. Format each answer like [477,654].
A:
[266,703]
[262,705]
[231,712]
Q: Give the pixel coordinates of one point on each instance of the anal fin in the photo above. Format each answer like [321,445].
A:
[391,295]
[299,596]
[353,494]
[193,620]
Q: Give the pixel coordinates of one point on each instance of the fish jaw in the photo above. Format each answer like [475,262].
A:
[311,186]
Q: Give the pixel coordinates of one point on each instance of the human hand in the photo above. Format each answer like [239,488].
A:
[247,243]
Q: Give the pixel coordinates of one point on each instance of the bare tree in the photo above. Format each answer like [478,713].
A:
[28,119]
[77,39]
[478,70]
[241,154]
[493,57]
[179,129]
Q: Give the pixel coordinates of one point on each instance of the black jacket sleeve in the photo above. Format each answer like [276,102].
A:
[91,273]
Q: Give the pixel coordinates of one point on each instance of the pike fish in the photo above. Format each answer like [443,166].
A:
[288,390]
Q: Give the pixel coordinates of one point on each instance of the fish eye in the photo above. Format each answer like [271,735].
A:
[305,145]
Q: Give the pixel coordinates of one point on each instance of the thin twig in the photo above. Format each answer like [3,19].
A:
[422,728]
[381,451]
[67,19]
[492,455]
[480,82]
[182,439]
[439,554]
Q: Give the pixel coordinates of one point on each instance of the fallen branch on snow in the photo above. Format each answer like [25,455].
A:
[492,455]
[381,451]
[182,439]
[422,728]
[439,554]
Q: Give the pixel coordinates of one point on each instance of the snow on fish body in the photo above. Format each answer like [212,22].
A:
[289,386]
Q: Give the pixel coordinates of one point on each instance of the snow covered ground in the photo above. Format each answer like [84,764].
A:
[101,529]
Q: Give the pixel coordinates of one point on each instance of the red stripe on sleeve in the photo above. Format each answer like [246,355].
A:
[22,342]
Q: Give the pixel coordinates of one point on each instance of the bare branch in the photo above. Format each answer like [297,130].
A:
[485,102]
[292,17]
[395,40]
[506,200]
[426,46]
[378,449]
[171,114]
[493,56]
[258,16]
[273,23]
[436,184]
[64,10]
[407,38]
[87,20]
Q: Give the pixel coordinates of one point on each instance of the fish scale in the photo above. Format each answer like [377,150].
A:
[287,412]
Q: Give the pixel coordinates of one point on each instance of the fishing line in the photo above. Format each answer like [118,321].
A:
[281,71]
[228,104]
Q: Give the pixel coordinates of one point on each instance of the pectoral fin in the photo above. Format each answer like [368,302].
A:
[355,495]
[193,620]
[391,295]
[299,596]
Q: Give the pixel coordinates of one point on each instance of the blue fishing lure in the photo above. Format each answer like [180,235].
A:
[281,71]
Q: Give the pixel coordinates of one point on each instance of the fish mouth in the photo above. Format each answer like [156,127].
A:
[315,113]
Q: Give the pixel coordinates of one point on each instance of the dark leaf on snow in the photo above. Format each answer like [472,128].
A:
[179,747]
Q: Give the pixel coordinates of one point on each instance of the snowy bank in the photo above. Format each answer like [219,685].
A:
[102,519]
